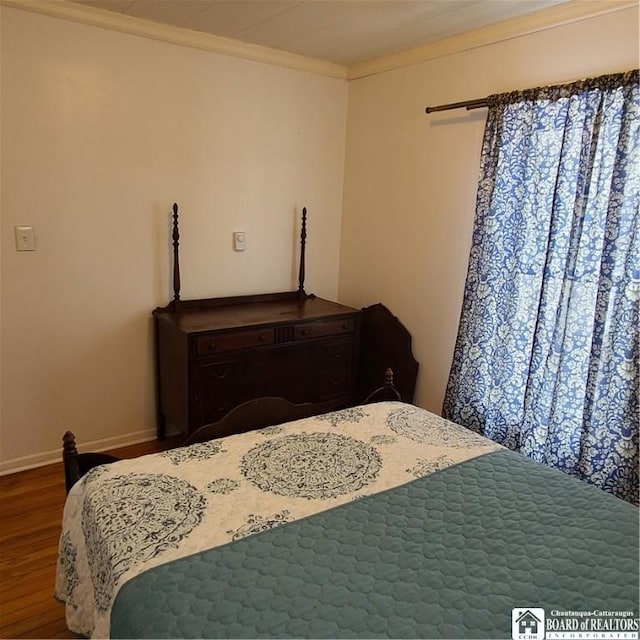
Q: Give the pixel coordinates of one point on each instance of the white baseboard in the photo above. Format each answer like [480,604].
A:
[51,457]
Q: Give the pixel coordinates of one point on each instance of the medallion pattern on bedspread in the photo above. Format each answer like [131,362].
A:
[413,423]
[271,431]
[425,467]
[383,438]
[344,416]
[257,523]
[223,486]
[312,465]
[134,519]
[67,557]
[95,473]
[200,451]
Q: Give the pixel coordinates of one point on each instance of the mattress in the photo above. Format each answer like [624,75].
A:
[448,555]
[126,518]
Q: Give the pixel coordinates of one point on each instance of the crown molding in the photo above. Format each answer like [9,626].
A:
[177,35]
[565,13]
[555,16]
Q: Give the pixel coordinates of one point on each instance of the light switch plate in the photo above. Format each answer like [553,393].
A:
[25,239]
[238,240]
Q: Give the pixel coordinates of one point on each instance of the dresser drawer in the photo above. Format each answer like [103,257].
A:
[324,328]
[217,343]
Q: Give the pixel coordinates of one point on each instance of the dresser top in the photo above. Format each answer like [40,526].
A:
[232,315]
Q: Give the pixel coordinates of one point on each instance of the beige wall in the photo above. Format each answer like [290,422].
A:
[410,178]
[101,132]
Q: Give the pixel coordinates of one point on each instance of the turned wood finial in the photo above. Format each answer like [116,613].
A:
[303,241]
[70,460]
[69,445]
[388,378]
[176,261]
[386,392]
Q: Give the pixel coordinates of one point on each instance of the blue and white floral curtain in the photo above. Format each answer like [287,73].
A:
[547,356]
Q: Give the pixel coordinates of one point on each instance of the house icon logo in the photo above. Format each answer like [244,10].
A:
[527,623]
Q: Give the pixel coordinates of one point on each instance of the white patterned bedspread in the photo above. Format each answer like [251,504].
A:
[124,518]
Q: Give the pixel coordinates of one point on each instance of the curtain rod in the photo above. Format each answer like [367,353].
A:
[613,79]
[467,104]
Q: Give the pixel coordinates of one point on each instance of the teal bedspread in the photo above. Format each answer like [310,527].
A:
[446,556]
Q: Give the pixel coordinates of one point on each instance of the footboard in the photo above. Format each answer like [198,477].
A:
[77,464]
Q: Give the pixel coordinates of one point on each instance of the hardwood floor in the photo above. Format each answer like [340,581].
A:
[31,504]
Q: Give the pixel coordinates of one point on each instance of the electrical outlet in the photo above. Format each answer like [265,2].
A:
[25,239]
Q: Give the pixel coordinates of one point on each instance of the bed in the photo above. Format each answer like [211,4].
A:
[379,520]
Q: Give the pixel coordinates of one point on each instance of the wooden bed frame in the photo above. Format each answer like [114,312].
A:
[250,415]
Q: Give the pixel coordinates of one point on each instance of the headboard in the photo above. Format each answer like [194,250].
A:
[385,343]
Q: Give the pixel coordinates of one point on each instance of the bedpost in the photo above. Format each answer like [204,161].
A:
[303,241]
[70,460]
[388,378]
[77,464]
[176,261]
[386,392]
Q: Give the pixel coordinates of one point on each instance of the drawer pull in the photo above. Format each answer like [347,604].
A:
[323,328]
[207,346]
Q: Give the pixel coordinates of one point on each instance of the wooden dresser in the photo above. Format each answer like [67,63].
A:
[212,355]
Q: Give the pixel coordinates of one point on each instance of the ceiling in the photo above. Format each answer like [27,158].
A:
[344,32]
